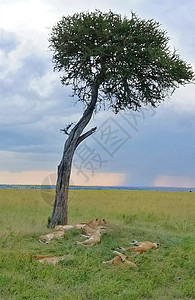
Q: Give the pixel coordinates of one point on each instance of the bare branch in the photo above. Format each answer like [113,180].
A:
[65,130]
[85,135]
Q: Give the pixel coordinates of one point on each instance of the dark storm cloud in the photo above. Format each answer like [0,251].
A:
[34,105]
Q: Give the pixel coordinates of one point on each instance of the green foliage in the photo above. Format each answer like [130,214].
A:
[130,59]
[166,273]
[48,221]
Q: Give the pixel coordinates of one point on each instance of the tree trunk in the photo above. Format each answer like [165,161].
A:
[60,209]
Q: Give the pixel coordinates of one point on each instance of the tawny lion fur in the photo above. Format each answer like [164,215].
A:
[94,225]
[120,259]
[46,238]
[87,227]
[141,247]
[95,238]
[52,260]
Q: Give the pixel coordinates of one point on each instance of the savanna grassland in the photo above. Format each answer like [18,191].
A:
[159,216]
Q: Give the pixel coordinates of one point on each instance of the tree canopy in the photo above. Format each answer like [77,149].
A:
[113,61]
[129,59]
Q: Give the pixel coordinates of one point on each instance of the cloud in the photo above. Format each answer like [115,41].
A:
[17,162]
[98,179]
[34,105]
[174,181]
[34,13]
[44,85]
[24,177]
[183,100]
[43,177]
[8,41]
[163,142]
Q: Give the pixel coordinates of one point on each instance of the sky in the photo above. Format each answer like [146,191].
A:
[153,147]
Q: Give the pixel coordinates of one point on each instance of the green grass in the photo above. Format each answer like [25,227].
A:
[164,217]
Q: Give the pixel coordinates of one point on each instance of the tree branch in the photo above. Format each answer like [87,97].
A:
[76,131]
[65,130]
[85,135]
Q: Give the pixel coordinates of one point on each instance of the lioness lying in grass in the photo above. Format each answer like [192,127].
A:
[120,259]
[46,238]
[94,238]
[49,258]
[94,225]
[66,227]
[87,228]
[92,231]
[91,228]
[141,247]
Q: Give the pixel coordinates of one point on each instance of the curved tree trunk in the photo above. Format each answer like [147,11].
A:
[60,209]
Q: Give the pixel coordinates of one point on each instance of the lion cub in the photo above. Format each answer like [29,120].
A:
[46,238]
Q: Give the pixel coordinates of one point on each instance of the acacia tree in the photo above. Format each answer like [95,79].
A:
[114,61]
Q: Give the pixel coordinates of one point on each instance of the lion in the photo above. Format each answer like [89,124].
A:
[66,227]
[41,256]
[120,259]
[94,238]
[46,238]
[140,247]
[49,259]
[94,225]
